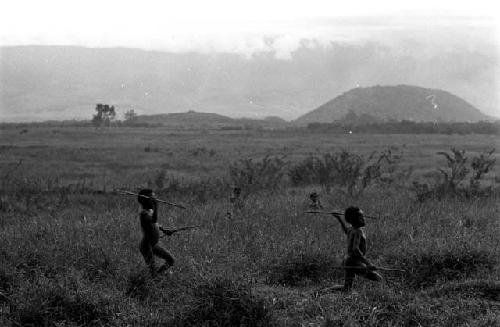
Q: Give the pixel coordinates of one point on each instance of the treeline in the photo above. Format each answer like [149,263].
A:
[408,127]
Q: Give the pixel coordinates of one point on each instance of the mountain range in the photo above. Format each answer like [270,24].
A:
[63,82]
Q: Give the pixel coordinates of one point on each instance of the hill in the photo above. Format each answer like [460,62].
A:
[187,119]
[193,119]
[40,83]
[401,102]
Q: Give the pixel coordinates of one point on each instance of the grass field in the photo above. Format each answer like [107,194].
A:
[69,245]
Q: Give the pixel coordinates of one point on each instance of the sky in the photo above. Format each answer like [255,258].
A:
[251,27]
[223,25]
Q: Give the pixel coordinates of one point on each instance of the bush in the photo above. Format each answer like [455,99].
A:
[451,182]
[352,172]
[267,173]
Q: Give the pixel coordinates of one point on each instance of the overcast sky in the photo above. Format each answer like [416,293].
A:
[233,26]
[280,27]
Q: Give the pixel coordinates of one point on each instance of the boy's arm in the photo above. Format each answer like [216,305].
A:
[342,224]
[155,210]
[359,254]
[165,231]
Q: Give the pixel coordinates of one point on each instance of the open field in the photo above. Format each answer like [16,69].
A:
[69,245]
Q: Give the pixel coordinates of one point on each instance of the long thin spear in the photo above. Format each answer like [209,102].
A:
[148,197]
[175,230]
[336,213]
[378,268]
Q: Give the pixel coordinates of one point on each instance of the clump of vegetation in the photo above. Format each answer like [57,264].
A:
[7,283]
[49,304]
[137,286]
[427,269]
[150,148]
[486,289]
[197,190]
[223,302]
[302,269]
[267,173]
[351,172]
[159,179]
[460,178]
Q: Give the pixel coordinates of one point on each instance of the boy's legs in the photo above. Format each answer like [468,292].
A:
[147,253]
[349,279]
[350,273]
[165,255]
[357,267]
[372,275]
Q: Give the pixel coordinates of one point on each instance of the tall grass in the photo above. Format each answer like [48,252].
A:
[75,261]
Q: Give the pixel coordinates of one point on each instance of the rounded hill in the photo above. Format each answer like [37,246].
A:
[401,102]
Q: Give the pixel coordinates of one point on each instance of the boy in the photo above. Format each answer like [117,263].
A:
[236,202]
[151,233]
[315,204]
[355,262]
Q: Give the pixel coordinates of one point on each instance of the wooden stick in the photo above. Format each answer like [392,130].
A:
[336,213]
[378,268]
[148,197]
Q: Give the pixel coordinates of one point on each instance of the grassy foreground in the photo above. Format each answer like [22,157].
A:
[75,261]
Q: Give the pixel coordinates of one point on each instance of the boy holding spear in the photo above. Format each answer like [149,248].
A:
[355,262]
[149,245]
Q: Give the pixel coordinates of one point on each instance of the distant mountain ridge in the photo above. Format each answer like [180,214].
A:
[193,119]
[40,83]
[401,102]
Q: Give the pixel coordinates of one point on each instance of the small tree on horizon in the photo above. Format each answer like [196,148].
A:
[130,116]
[105,114]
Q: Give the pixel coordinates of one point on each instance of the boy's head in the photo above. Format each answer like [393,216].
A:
[314,196]
[354,216]
[237,191]
[146,202]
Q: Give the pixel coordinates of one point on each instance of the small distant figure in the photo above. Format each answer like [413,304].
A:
[355,262]
[315,203]
[149,245]
[236,202]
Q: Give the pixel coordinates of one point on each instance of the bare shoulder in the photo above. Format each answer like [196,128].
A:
[148,212]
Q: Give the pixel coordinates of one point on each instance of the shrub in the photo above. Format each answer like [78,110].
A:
[267,173]
[352,172]
[159,179]
[451,182]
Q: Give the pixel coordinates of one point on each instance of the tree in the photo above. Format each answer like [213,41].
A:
[105,114]
[130,116]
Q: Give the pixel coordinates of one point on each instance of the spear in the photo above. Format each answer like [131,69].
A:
[169,232]
[149,197]
[378,268]
[336,213]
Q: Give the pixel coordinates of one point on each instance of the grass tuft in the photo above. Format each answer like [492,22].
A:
[223,302]
[48,305]
[427,269]
[138,286]
[485,289]
[303,269]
